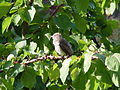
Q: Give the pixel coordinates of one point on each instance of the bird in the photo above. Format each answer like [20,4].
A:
[62,46]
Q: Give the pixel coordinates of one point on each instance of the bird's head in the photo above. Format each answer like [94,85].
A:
[56,36]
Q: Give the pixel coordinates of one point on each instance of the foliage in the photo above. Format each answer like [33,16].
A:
[26,27]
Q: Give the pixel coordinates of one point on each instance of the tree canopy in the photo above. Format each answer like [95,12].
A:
[27,56]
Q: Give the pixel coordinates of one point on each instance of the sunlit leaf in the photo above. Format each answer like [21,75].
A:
[111,9]
[6,24]
[87,61]
[74,73]
[10,57]
[32,47]
[16,19]
[20,44]
[64,69]
[113,62]
[38,2]
[19,2]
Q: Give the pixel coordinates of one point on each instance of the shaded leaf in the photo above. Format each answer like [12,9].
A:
[27,14]
[4,8]
[81,5]
[80,23]
[17,69]
[28,77]
[62,21]
[54,73]
[101,72]
[92,84]
[80,81]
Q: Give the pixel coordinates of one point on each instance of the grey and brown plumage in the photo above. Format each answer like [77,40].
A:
[62,46]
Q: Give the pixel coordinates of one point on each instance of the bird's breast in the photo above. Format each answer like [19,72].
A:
[59,50]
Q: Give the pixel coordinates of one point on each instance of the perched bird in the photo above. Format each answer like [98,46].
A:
[62,46]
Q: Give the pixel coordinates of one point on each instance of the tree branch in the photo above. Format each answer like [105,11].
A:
[55,11]
[46,57]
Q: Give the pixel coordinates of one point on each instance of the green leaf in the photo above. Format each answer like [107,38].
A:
[7,65]
[32,47]
[101,20]
[27,14]
[111,9]
[4,8]
[87,61]
[17,69]
[16,18]
[6,24]
[101,72]
[54,73]
[116,48]
[31,12]
[38,2]
[92,84]
[10,57]
[113,23]
[2,48]
[107,31]
[39,84]
[8,83]
[113,62]
[28,77]
[115,76]
[20,44]
[71,2]
[61,2]
[74,73]
[19,2]
[62,21]
[80,81]
[64,69]
[80,23]
[81,5]
[106,43]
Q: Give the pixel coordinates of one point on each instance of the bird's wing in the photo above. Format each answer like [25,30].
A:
[65,46]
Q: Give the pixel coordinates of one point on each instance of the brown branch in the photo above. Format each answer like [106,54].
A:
[55,11]
[46,57]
